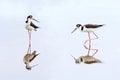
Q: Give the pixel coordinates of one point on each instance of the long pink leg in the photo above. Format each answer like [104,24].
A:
[96,50]
[29,43]
[29,47]
[89,43]
[96,37]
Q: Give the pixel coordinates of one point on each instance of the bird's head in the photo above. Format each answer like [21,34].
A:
[30,17]
[77,26]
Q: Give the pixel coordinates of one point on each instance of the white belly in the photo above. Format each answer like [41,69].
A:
[28,27]
[89,30]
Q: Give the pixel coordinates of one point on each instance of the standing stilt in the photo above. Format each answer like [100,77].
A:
[89,28]
[30,26]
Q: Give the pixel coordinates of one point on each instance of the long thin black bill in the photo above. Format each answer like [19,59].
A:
[35,20]
[74,30]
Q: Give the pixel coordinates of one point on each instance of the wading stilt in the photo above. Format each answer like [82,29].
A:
[89,28]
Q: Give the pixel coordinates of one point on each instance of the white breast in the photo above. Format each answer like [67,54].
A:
[28,27]
[88,29]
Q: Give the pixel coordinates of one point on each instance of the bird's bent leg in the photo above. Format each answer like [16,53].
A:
[85,44]
[89,43]
[96,37]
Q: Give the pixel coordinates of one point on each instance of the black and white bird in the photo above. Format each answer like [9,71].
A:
[30,25]
[29,58]
[89,28]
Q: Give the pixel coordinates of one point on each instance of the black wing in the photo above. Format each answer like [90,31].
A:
[93,25]
[33,25]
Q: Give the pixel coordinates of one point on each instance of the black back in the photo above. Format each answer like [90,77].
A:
[33,25]
[92,26]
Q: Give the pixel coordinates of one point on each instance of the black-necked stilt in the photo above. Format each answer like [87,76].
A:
[90,29]
[30,26]
[28,58]
[86,59]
